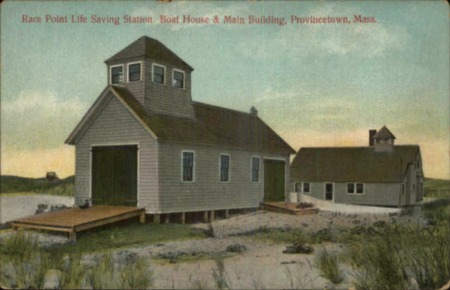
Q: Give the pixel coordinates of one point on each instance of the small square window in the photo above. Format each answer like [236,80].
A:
[178,79]
[350,188]
[116,74]
[158,74]
[360,188]
[134,72]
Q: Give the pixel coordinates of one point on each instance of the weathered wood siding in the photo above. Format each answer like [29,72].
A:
[413,192]
[207,192]
[164,98]
[137,88]
[382,194]
[114,125]
[159,98]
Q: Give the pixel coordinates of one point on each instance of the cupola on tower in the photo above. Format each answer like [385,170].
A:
[157,77]
[383,140]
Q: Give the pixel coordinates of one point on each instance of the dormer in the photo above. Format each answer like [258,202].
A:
[383,140]
[157,77]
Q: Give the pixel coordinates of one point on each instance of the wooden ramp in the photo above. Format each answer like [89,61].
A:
[288,207]
[74,220]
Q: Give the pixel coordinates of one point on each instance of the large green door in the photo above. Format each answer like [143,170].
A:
[274,180]
[114,175]
[125,173]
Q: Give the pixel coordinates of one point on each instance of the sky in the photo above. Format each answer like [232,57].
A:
[321,84]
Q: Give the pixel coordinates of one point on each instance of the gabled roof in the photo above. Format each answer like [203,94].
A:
[352,164]
[149,48]
[212,125]
[384,133]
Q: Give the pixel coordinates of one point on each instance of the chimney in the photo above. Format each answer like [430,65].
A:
[254,111]
[371,134]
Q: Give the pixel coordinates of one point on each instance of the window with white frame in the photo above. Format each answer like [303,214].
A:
[134,72]
[359,188]
[158,74]
[187,166]
[350,188]
[224,166]
[178,79]
[306,187]
[255,169]
[116,74]
[355,188]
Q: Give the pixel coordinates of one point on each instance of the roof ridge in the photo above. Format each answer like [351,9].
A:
[332,147]
[353,147]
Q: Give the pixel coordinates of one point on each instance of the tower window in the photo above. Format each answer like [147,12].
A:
[134,72]
[178,79]
[117,74]
[158,74]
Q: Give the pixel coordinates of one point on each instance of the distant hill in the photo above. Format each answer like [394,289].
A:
[436,187]
[12,184]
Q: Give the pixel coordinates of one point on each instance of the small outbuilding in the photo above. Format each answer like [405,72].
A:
[381,174]
[146,143]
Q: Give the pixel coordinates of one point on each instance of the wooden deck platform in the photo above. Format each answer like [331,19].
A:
[74,220]
[288,207]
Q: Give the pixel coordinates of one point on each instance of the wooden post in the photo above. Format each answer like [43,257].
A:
[211,216]
[167,218]
[227,213]
[142,217]
[183,218]
[156,219]
[205,216]
[73,236]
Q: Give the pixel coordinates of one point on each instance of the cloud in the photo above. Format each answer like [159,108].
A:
[43,102]
[364,40]
[271,94]
[39,119]
[309,108]
[332,104]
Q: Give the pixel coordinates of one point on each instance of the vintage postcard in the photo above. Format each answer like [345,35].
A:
[225,145]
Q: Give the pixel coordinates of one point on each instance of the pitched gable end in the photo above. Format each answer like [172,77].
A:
[99,104]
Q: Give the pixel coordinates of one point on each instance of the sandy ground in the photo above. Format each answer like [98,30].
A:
[262,266]
[14,206]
